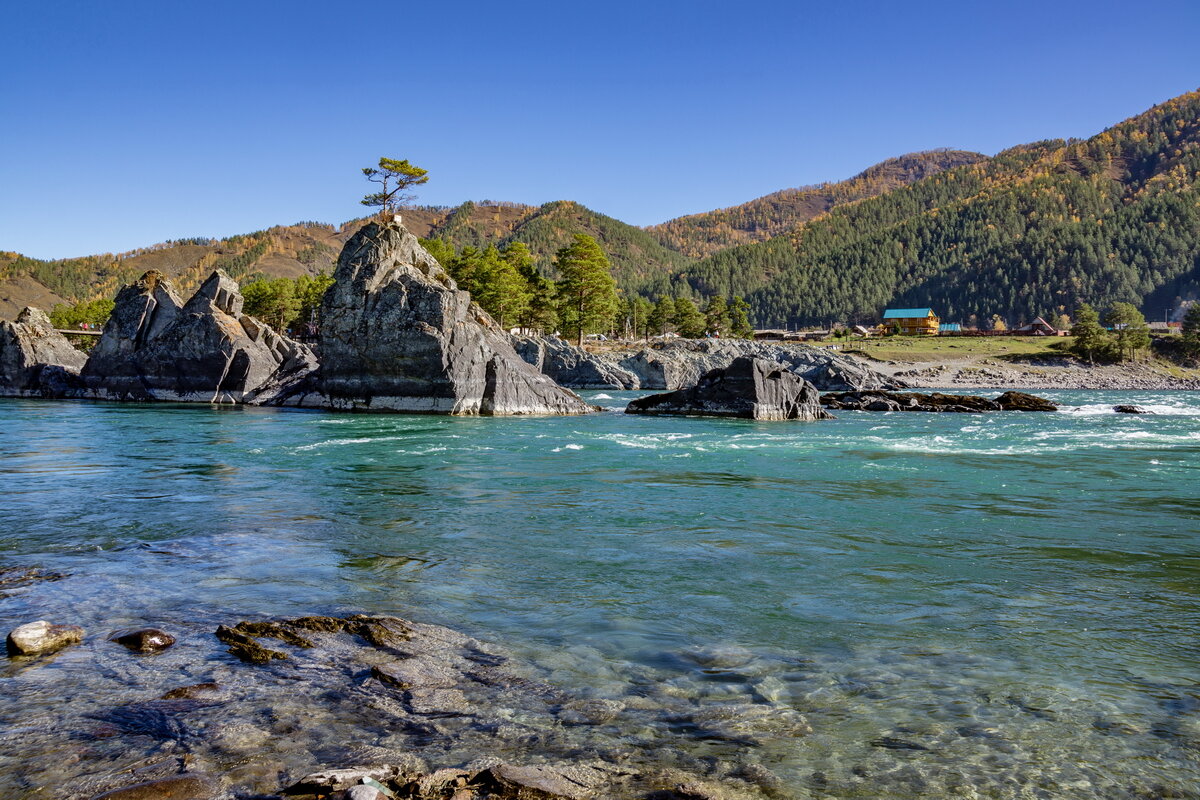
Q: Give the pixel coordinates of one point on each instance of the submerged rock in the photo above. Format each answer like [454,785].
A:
[35,359]
[1128,409]
[749,388]
[144,640]
[177,787]
[397,334]
[934,402]
[37,638]
[156,348]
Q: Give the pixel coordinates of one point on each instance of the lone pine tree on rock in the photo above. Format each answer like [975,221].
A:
[395,178]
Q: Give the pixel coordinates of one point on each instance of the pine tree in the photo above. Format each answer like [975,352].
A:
[660,320]
[1090,338]
[499,287]
[587,292]
[1130,329]
[716,316]
[1191,330]
[689,322]
[641,309]
[739,319]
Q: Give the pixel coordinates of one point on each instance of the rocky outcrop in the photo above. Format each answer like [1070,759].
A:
[398,335]
[680,363]
[673,365]
[750,388]
[35,359]
[156,348]
[934,402]
[38,638]
[574,367]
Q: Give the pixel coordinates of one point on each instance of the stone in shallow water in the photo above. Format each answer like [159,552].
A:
[36,638]
[178,787]
[144,640]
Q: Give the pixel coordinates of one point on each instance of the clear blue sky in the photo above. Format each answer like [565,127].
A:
[128,123]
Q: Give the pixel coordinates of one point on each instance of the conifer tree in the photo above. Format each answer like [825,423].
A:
[587,292]
[716,316]
[499,287]
[1090,337]
[640,311]
[660,319]
[739,319]
[1191,330]
[1129,329]
[395,178]
[689,322]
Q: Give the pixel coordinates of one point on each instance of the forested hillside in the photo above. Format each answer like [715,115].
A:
[782,212]
[1035,230]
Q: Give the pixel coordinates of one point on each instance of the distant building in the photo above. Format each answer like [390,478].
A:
[1039,327]
[950,327]
[912,321]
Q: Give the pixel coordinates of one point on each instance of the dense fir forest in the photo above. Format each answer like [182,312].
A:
[1034,231]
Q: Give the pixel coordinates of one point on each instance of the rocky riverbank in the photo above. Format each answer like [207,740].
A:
[1062,372]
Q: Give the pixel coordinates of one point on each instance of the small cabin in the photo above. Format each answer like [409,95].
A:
[912,321]
[1039,327]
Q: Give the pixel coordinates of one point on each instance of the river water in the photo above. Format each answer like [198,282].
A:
[1000,605]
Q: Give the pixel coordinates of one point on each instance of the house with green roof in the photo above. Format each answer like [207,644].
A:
[912,321]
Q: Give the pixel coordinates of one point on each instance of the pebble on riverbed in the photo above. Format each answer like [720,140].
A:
[37,638]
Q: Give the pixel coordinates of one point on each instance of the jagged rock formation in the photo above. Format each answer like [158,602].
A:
[156,348]
[676,364]
[574,367]
[750,388]
[35,359]
[680,363]
[935,401]
[398,335]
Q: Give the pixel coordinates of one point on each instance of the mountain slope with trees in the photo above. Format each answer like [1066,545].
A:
[1034,231]
[782,212]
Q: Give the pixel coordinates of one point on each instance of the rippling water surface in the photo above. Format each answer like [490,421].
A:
[1000,605]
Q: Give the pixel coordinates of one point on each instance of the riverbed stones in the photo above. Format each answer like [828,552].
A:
[1130,409]
[1020,401]
[154,347]
[143,640]
[397,334]
[41,637]
[177,787]
[749,388]
[35,359]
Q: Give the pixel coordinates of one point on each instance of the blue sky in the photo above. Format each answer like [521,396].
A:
[129,123]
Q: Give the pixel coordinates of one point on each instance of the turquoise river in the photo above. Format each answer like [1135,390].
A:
[994,606]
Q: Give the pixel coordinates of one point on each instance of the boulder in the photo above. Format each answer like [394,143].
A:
[877,400]
[208,351]
[1019,401]
[35,359]
[397,334]
[574,367]
[750,388]
[143,640]
[38,638]
[1127,409]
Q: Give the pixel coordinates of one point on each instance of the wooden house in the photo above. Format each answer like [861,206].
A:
[912,321]
[1039,327]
